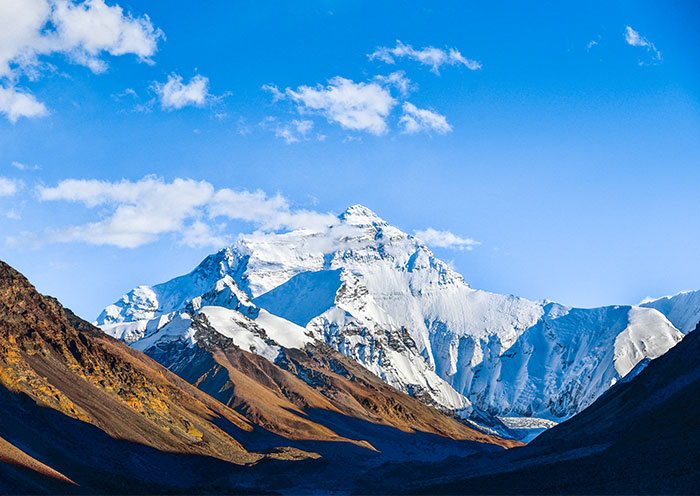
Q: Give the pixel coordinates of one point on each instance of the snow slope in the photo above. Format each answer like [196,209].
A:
[682,309]
[381,297]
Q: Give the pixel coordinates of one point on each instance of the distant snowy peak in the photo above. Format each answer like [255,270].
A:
[682,309]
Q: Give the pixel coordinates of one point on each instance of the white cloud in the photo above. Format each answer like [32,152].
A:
[13,214]
[294,131]
[445,239]
[355,106]
[201,235]
[135,213]
[141,211]
[399,81]
[81,31]
[23,167]
[415,120]
[277,95]
[634,39]
[15,103]
[88,29]
[9,187]
[431,56]
[591,44]
[174,94]
[267,213]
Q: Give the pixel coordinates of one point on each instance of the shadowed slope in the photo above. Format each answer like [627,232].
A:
[278,396]
[68,365]
[76,404]
[358,393]
[640,437]
[97,462]
[15,456]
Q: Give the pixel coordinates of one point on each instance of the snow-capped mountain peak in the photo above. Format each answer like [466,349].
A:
[359,215]
[381,297]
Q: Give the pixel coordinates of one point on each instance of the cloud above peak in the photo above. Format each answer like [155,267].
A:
[135,213]
[140,212]
[83,32]
[445,239]
[430,56]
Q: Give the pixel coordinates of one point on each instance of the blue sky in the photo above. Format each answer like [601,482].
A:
[563,142]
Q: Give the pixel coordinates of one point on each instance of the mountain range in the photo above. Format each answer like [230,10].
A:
[345,360]
[382,298]
[84,413]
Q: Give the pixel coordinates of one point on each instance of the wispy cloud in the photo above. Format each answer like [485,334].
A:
[129,214]
[415,120]
[355,106]
[445,239]
[24,167]
[399,81]
[266,212]
[16,103]
[430,56]
[10,187]
[134,213]
[141,211]
[634,39]
[84,32]
[367,106]
[199,234]
[291,132]
[174,94]
[13,214]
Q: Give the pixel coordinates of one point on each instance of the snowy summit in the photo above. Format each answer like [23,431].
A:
[381,297]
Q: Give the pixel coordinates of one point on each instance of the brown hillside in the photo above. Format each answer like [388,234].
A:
[66,364]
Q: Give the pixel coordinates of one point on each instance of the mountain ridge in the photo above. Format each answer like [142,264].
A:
[85,413]
[642,436]
[412,320]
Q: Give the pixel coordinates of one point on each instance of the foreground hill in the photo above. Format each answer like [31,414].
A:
[69,392]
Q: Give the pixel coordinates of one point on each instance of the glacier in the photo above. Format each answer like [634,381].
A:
[381,297]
